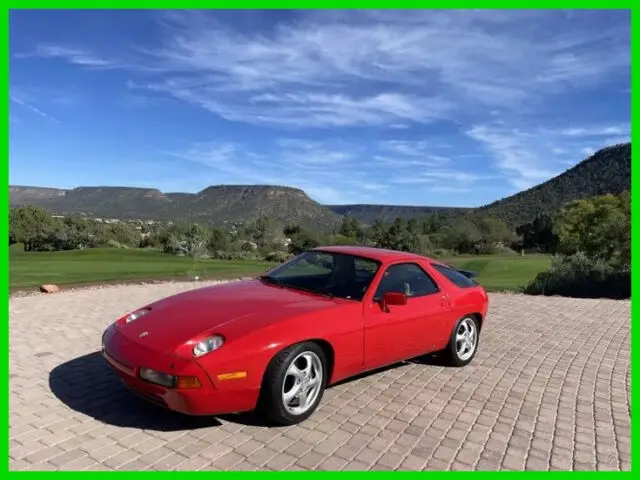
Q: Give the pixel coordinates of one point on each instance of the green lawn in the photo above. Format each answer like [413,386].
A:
[105,265]
[499,273]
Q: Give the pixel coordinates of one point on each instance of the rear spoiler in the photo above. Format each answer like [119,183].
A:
[468,273]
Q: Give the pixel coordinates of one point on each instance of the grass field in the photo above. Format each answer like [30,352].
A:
[29,269]
[500,273]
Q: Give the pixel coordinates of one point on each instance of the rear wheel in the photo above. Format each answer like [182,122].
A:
[294,384]
[464,341]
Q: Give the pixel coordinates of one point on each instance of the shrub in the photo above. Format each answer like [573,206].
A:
[502,250]
[221,255]
[113,243]
[443,253]
[277,257]
[582,277]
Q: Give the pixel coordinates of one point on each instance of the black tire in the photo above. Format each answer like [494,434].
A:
[272,403]
[451,353]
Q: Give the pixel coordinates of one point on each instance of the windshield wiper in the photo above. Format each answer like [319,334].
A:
[311,290]
[276,281]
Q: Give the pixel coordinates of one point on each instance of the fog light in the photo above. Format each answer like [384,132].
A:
[158,378]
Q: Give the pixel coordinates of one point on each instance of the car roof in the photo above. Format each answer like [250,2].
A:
[381,254]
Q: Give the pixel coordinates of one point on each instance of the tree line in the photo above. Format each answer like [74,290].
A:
[38,230]
[598,227]
[434,234]
[590,240]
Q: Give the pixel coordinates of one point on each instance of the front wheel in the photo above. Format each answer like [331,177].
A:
[464,341]
[294,384]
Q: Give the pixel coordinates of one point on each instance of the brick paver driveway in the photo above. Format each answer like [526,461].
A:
[549,389]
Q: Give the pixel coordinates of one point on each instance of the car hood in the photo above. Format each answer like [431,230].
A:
[229,309]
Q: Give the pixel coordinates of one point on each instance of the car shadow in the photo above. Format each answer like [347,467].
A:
[432,359]
[89,386]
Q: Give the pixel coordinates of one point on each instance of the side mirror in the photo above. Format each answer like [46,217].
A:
[393,298]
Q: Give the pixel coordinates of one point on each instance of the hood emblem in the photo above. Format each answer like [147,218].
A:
[143,334]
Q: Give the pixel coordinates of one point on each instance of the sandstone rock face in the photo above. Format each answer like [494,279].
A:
[49,288]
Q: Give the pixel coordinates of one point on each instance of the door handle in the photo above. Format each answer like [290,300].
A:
[444,301]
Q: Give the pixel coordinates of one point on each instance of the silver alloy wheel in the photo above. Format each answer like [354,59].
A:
[302,383]
[466,339]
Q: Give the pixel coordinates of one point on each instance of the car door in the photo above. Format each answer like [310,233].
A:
[404,331]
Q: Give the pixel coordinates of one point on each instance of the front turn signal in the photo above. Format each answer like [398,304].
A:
[188,382]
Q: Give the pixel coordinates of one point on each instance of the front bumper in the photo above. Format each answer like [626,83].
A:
[127,357]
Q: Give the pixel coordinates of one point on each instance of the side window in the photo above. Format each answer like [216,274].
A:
[408,278]
[454,276]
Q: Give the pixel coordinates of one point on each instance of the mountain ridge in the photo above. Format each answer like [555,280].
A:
[606,171]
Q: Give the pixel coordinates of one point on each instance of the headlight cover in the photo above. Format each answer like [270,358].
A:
[208,345]
[159,378]
[132,317]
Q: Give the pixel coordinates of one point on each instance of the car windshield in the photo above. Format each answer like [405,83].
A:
[326,273]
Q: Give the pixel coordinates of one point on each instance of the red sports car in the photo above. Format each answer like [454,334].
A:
[275,342]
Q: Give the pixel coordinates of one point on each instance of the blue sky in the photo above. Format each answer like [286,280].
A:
[440,107]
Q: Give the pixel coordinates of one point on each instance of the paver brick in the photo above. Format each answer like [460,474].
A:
[549,390]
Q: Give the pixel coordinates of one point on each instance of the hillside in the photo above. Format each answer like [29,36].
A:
[214,205]
[34,195]
[606,171]
[367,214]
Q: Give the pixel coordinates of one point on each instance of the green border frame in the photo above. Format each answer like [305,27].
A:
[291,4]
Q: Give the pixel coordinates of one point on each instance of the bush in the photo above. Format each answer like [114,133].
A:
[582,277]
[277,257]
[502,250]
[443,253]
[220,255]
[112,243]
[340,239]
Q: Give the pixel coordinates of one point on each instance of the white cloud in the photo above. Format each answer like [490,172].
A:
[237,164]
[616,140]
[330,171]
[75,56]
[32,108]
[597,131]
[391,68]
[481,76]
[415,153]
[531,155]
[409,69]
[442,178]
[297,152]
[517,155]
